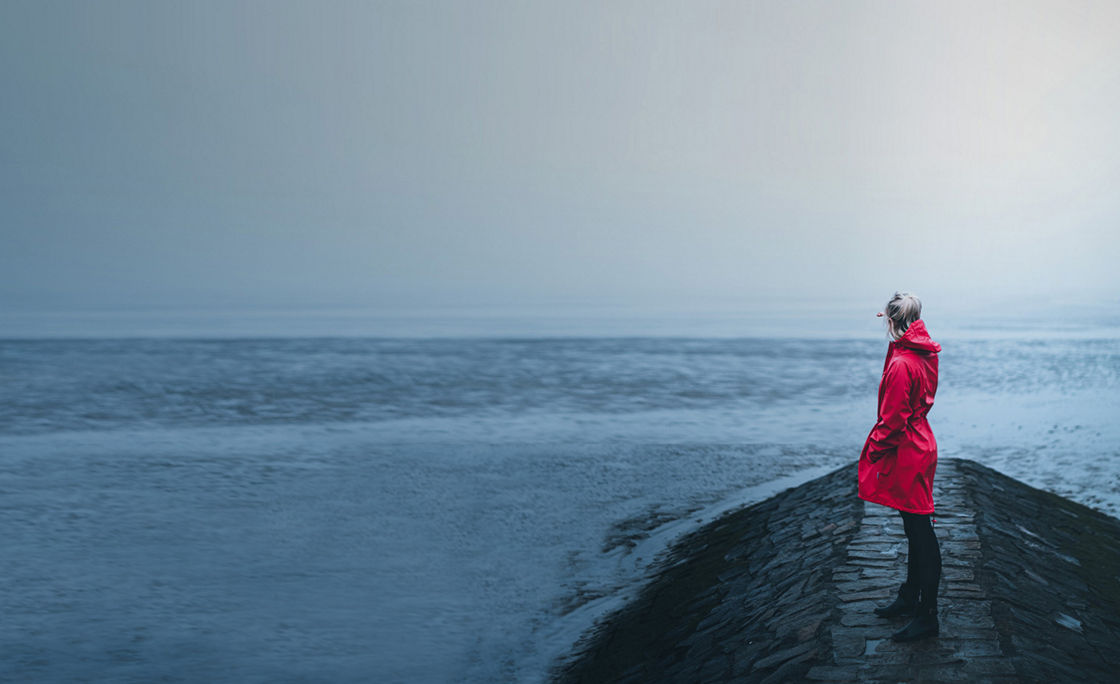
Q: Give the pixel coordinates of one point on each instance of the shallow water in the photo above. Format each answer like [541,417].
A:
[439,509]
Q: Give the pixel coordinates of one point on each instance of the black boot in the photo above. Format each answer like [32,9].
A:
[906,603]
[924,625]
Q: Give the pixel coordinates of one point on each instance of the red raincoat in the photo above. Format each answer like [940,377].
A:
[898,460]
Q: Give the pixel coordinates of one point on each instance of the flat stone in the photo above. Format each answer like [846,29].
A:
[745,657]
[834,673]
[963,590]
[782,656]
[888,658]
[876,536]
[931,658]
[791,625]
[873,563]
[872,584]
[950,623]
[883,593]
[733,572]
[957,574]
[959,546]
[860,618]
[991,666]
[874,551]
[970,648]
[946,673]
[866,572]
[847,642]
[788,670]
[968,632]
[809,629]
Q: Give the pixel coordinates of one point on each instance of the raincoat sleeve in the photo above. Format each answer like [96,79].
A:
[894,412]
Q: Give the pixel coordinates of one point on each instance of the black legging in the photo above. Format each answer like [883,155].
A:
[923,559]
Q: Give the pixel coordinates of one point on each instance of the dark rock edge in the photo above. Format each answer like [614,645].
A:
[750,593]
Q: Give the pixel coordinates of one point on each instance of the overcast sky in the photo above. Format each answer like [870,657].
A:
[475,154]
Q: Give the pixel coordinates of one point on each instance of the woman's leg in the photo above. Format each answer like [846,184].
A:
[907,599]
[914,551]
[924,562]
[929,577]
[925,553]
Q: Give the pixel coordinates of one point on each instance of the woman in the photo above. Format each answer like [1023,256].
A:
[899,458]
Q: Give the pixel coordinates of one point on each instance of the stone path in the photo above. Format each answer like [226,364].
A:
[785,590]
[968,648]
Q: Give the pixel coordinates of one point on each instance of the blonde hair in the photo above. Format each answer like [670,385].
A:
[902,310]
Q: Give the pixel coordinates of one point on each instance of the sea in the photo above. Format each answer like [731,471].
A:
[354,500]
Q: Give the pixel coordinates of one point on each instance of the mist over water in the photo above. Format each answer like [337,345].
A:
[444,508]
[706,317]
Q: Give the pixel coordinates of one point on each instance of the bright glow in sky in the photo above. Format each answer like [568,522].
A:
[479,154]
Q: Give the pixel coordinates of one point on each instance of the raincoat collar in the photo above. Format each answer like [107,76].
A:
[916,337]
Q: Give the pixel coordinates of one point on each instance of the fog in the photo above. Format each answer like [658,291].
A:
[418,158]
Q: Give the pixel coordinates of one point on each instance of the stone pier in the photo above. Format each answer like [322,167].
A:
[784,591]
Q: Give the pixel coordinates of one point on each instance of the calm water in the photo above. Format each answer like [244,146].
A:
[354,509]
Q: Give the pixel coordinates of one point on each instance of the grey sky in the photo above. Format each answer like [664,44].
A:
[412,154]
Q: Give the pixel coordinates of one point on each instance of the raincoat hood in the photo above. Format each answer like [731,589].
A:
[917,337]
